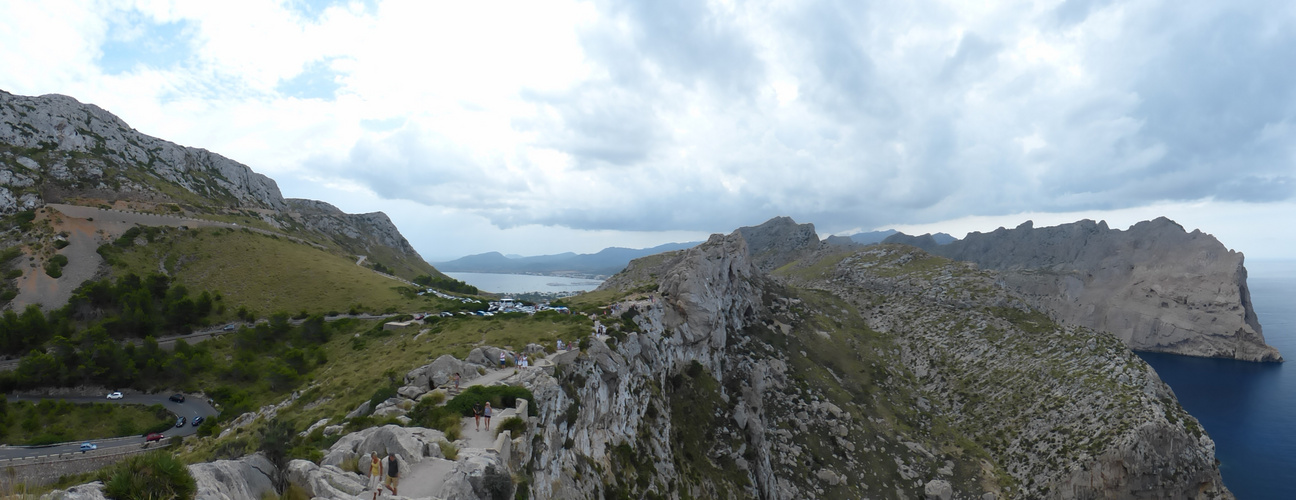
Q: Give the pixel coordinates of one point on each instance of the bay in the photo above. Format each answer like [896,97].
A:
[1249,409]
[525,283]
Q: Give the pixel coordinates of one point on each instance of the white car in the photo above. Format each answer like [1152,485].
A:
[115,395]
[88,447]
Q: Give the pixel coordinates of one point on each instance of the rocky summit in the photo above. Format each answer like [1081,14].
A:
[1155,286]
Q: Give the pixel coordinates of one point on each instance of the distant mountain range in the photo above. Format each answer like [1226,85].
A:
[891,236]
[606,262]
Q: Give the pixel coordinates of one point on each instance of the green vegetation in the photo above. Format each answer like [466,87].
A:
[499,396]
[99,312]
[50,421]
[514,425]
[445,283]
[156,475]
[265,273]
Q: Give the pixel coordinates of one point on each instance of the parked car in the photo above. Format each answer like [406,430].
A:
[87,446]
[180,422]
[197,421]
[115,395]
[230,327]
[153,437]
[177,397]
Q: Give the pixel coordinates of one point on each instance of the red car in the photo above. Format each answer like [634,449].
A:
[153,437]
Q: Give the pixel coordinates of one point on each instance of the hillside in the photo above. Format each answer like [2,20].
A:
[104,178]
[603,263]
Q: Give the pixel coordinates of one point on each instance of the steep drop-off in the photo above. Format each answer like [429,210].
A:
[1155,285]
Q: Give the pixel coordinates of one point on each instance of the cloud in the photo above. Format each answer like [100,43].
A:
[701,116]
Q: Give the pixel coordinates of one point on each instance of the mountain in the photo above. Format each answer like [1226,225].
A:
[1155,285]
[76,172]
[603,263]
[926,241]
[871,237]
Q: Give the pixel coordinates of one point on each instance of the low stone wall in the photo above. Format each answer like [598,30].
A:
[47,469]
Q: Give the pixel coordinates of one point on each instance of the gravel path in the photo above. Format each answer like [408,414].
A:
[36,287]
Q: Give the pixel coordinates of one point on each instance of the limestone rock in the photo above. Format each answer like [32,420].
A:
[326,482]
[439,371]
[90,491]
[361,410]
[1155,286]
[467,480]
[247,477]
[411,444]
[938,489]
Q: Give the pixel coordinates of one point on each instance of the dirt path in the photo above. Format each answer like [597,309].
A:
[36,287]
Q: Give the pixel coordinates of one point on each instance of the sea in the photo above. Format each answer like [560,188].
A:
[525,283]
[1249,409]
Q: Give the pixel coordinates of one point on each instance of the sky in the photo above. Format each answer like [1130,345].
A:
[537,127]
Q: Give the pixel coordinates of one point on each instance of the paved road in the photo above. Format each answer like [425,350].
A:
[192,407]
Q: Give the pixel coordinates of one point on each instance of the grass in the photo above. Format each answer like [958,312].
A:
[61,421]
[267,274]
[352,375]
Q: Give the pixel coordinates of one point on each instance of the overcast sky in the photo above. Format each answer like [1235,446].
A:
[537,127]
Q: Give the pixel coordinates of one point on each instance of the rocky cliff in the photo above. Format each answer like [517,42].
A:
[882,372]
[778,241]
[1155,285]
[57,147]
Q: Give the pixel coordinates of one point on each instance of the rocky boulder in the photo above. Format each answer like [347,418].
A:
[90,491]
[439,371]
[410,444]
[247,477]
[325,482]
[477,474]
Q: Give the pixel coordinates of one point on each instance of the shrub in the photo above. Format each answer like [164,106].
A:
[380,395]
[13,273]
[153,475]
[60,244]
[53,269]
[584,344]
[497,483]
[449,450]
[499,396]
[515,425]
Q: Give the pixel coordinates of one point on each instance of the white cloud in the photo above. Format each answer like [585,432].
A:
[646,117]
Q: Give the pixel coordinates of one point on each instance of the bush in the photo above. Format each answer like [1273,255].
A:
[153,475]
[515,425]
[61,244]
[13,273]
[449,450]
[499,396]
[53,269]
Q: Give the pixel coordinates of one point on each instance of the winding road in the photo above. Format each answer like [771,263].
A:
[192,407]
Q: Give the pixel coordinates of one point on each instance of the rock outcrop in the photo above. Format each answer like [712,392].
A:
[360,233]
[1155,286]
[81,149]
[892,373]
[248,477]
[778,241]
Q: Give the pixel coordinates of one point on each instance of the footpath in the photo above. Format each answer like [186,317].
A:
[425,478]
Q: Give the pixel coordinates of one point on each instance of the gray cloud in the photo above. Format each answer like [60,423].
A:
[901,115]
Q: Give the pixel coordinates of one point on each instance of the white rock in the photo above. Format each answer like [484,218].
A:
[247,477]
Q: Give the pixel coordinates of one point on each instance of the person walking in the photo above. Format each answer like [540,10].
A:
[487,413]
[393,472]
[456,378]
[477,412]
[375,473]
[501,359]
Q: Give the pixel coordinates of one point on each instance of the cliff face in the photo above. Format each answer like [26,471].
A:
[1155,286]
[778,241]
[873,372]
[74,149]
[56,149]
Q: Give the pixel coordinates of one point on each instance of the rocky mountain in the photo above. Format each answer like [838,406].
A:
[778,241]
[54,149]
[605,262]
[925,241]
[1155,285]
[854,373]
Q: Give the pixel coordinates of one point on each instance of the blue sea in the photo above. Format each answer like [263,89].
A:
[524,283]
[1249,409]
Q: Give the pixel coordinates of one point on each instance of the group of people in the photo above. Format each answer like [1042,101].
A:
[376,469]
[520,359]
[479,412]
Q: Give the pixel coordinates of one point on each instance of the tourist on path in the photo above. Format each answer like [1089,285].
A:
[487,413]
[477,412]
[375,473]
[456,379]
[393,472]
[501,359]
